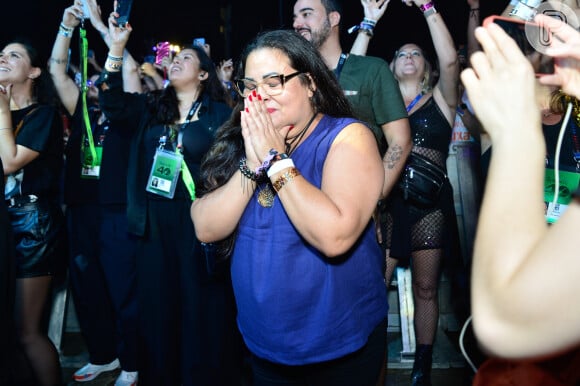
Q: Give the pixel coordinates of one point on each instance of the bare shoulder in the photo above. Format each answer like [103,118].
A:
[356,131]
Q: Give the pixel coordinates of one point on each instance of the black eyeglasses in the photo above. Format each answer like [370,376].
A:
[272,85]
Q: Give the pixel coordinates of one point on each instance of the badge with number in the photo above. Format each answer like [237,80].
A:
[164,173]
[567,184]
[88,170]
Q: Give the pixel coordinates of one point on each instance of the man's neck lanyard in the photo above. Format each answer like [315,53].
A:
[340,64]
[185,173]
[88,134]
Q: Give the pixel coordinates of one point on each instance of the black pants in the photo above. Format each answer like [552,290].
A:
[118,261]
[90,293]
[361,368]
[187,318]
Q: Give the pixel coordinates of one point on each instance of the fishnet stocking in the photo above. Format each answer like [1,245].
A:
[427,236]
[425,273]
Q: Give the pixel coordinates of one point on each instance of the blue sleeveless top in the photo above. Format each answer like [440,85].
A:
[295,306]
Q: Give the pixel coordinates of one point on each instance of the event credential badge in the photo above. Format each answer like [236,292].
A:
[568,183]
[164,173]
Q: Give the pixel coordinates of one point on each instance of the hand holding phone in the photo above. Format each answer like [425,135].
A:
[200,42]
[86,10]
[531,38]
[123,9]
[163,50]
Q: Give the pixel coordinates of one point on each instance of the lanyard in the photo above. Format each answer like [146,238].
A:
[414,102]
[88,132]
[163,138]
[185,173]
[340,64]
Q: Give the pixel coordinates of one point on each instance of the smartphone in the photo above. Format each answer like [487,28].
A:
[530,37]
[200,42]
[124,10]
[86,12]
[149,59]
[90,53]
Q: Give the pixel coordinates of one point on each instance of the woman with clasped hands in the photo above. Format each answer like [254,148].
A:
[525,274]
[294,180]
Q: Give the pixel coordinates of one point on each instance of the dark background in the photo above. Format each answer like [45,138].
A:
[229,25]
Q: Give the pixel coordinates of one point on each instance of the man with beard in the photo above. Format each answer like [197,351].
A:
[367,81]
[369,85]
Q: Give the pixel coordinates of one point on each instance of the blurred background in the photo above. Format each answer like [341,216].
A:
[228,25]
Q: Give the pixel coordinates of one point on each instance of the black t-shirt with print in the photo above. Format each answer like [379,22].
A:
[42,131]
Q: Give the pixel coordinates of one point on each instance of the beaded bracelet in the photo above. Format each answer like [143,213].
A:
[246,171]
[285,178]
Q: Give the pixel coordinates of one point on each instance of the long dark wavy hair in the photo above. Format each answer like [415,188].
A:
[164,104]
[221,161]
[43,89]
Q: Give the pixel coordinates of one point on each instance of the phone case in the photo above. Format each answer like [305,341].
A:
[124,10]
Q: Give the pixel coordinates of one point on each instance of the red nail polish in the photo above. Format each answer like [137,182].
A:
[247,110]
[259,97]
[250,98]
[254,93]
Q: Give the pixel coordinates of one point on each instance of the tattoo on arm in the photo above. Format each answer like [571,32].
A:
[392,156]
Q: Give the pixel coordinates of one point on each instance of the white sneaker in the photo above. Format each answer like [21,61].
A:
[90,371]
[127,378]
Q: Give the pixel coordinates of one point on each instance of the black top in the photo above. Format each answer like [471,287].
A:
[429,128]
[126,107]
[111,187]
[41,131]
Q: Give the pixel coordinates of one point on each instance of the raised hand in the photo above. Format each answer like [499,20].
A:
[119,35]
[501,84]
[225,70]
[374,9]
[258,131]
[72,15]
[565,48]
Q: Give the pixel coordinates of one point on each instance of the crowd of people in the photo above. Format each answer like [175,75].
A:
[240,221]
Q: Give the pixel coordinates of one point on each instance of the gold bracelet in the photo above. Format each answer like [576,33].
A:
[113,66]
[286,177]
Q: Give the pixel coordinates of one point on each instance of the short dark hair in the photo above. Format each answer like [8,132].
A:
[332,6]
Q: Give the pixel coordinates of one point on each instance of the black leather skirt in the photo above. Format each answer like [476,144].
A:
[38,230]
